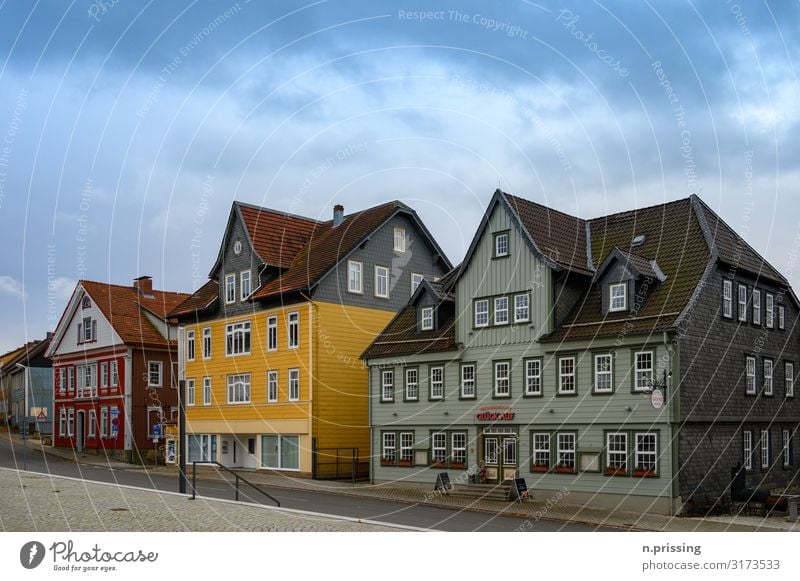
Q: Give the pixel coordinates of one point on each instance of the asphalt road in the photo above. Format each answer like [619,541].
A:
[334,504]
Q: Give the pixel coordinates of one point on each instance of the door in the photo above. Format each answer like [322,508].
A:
[490,458]
[509,466]
[500,457]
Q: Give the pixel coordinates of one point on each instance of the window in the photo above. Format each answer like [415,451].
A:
[756,307]
[237,338]
[294,384]
[644,371]
[742,303]
[458,450]
[114,374]
[202,448]
[437,382]
[71,378]
[501,310]
[770,314]
[70,422]
[412,384]
[239,388]
[788,378]
[617,452]
[190,345]
[566,375]
[750,380]
[768,377]
[86,303]
[389,448]
[387,385]
[382,282]
[533,377]
[87,380]
[747,449]
[62,380]
[646,454]
[727,299]
[522,308]
[272,333]
[501,244]
[603,382]
[399,240]
[406,447]
[272,386]
[481,313]
[427,318]
[190,392]
[566,448]
[154,369]
[354,279]
[416,280]
[765,449]
[502,379]
[244,282]
[207,391]
[467,381]
[87,330]
[103,422]
[787,448]
[207,343]
[62,422]
[541,451]
[230,288]
[104,374]
[294,330]
[439,448]
[618,297]
[781,317]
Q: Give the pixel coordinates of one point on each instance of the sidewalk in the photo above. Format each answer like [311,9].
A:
[397,492]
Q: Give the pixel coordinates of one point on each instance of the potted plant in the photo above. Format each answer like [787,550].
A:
[563,468]
[540,467]
[387,462]
[615,471]
[405,463]
[645,472]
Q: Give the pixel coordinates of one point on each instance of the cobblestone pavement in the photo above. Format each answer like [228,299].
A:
[31,502]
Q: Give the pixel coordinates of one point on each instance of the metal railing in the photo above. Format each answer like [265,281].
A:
[236,476]
[338,464]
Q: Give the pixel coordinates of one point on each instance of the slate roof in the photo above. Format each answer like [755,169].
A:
[400,337]
[201,299]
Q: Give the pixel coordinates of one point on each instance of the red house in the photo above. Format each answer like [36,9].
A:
[114,356]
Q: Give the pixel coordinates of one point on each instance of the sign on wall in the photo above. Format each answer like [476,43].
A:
[495,413]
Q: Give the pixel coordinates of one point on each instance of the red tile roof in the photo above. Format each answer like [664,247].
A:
[200,300]
[277,237]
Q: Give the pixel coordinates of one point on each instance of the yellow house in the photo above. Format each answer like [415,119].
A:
[271,343]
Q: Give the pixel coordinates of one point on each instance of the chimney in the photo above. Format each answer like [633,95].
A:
[338,214]
[144,284]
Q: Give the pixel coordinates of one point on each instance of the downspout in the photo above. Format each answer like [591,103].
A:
[674,400]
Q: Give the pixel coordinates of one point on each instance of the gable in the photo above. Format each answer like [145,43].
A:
[65,337]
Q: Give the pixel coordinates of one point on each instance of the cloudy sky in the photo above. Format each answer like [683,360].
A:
[127,128]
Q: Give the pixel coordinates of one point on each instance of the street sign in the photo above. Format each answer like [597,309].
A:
[42,416]
[657,399]
[155,431]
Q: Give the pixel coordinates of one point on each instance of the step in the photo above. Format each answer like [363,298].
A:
[484,491]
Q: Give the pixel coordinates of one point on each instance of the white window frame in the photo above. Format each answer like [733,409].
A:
[651,455]
[566,454]
[769,373]
[416,280]
[458,447]
[756,307]
[399,239]
[620,437]
[71,378]
[788,378]
[605,373]
[439,448]
[91,429]
[485,313]
[786,440]
[62,422]
[245,289]
[427,319]
[540,449]
[207,445]
[566,377]
[389,447]
[533,377]
[190,346]
[293,330]
[742,303]
[750,387]
[468,381]
[781,317]
[207,390]
[272,333]
[62,380]
[770,311]
[232,330]
[436,385]
[104,419]
[232,393]
[612,297]
[272,386]
[230,289]
[643,376]
[504,321]
[502,384]
[747,449]
[104,374]
[764,445]
[497,246]
[406,447]
[522,312]
[355,277]
[207,345]
[160,371]
[114,374]
[412,386]
[727,298]
[387,385]
[190,391]
[381,273]
[71,422]
[294,384]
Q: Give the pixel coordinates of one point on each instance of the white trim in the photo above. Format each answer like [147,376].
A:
[289,325]
[404,244]
[270,382]
[296,372]
[360,287]
[272,325]
[426,321]
[385,271]
[242,294]
[229,277]
[527,317]
[160,374]
[611,297]
[416,284]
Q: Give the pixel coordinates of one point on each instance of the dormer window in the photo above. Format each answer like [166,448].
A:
[427,318]
[501,244]
[230,288]
[399,239]
[618,297]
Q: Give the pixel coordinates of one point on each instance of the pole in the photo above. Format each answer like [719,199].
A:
[181,437]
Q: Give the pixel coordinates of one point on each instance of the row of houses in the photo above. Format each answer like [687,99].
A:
[632,359]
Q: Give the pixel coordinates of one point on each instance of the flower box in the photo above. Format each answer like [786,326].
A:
[540,468]
[565,469]
[435,464]
[385,462]
[616,471]
[644,472]
[405,463]
[457,465]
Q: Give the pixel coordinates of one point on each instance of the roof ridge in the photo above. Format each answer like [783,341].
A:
[275,211]
[550,209]
[130,288]
[635,210]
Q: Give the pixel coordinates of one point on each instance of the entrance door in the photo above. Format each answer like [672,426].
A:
[491,458]
[509,458]
[80,431]
[500,457]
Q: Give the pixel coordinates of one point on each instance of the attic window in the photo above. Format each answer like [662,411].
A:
[237,247]
[427,318]
[86,304]
[618,300]
[638,240]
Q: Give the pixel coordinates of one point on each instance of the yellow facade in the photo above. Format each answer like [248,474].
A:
[332,407]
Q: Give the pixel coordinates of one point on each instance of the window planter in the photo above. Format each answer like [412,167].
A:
[616,471]
[438,464]
[644,472]
[540,468]
[457,465]
[565,469]
[405,463]
[385,462]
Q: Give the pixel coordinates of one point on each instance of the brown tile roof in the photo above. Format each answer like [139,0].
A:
[559,236]
[400,337]
[640,263]
[28,351]
[123,306]
[326,247]
[674,239]
[14,353]
[277,237]
[200,300]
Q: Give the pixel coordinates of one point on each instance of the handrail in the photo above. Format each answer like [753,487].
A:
[236,475]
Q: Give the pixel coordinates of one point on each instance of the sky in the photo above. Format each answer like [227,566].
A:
[128,128]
